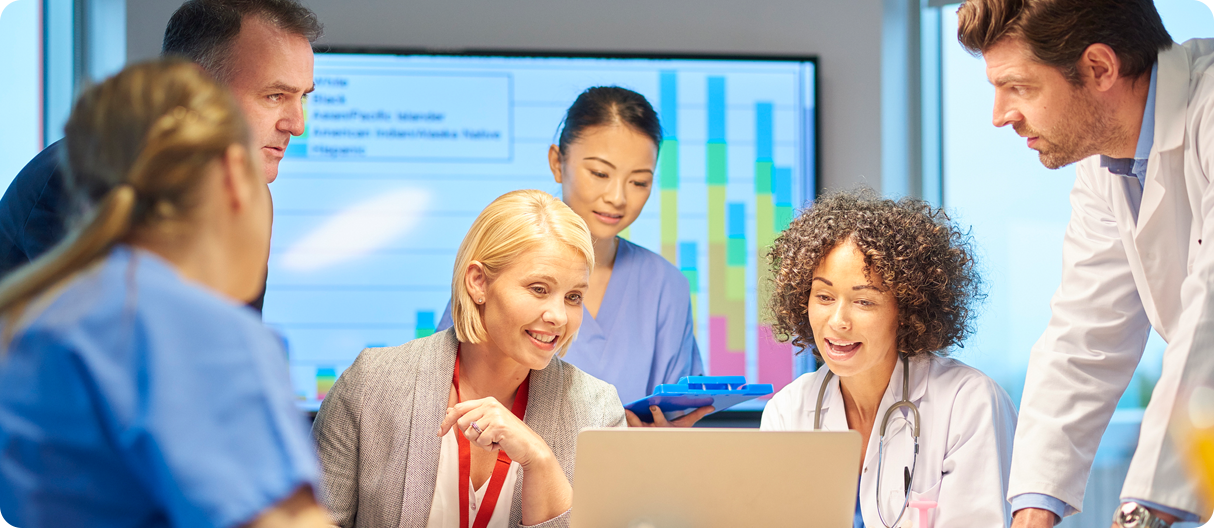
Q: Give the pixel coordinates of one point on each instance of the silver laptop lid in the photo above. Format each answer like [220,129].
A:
[675,478]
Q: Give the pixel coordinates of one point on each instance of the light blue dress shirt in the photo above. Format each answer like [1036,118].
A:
[137,399]
[1136,167]
[644,334]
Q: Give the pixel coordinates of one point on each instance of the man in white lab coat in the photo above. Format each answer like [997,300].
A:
[1100,83]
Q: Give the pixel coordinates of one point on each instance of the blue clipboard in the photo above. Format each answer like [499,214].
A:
[693,392]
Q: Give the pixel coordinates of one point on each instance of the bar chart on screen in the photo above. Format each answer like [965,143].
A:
[401,152]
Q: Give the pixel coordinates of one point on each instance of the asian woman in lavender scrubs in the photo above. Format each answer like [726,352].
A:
[638,330]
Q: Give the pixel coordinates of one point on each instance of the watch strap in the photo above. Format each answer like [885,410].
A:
[1145,519]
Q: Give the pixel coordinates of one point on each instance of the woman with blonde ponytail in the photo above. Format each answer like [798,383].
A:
[135,387]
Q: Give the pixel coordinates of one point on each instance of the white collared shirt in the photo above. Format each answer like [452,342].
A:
[444,510]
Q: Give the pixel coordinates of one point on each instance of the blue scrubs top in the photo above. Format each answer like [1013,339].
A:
[858,520]
[644,334]
[137,399]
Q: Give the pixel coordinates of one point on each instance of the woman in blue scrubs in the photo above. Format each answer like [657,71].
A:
[637,331]
[138,390]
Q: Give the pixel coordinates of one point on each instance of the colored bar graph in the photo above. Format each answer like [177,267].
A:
[773,211]
[764,205]
[668,163]
[425,324]
[775,359]
[688,264]
[782,191]
[735,278]
[325,378]
[726,349]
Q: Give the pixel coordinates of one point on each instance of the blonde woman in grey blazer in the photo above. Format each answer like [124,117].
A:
[516,301]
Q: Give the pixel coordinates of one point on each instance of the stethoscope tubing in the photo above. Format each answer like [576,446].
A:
[889,413]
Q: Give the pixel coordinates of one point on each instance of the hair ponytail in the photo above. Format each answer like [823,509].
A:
[107,224]
[137,146]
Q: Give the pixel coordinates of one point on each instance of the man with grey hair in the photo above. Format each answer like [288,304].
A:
[261,49]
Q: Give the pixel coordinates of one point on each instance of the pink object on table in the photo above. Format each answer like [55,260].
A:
[925,511]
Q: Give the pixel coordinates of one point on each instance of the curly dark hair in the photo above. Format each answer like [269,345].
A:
[915,249]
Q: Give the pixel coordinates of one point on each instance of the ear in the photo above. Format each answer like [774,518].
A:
[554,162]
[475,280]
[234,166]
[1100,65]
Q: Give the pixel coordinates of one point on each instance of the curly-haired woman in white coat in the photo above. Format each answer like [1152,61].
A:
[879,290]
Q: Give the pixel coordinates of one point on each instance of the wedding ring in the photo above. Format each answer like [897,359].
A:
[478,429]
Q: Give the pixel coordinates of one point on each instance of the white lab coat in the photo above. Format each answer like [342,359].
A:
[1120,277]
[965,441]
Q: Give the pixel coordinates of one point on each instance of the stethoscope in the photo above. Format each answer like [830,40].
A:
[905,402]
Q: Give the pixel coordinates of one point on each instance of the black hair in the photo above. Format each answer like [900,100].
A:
[203,30]
[607,105]
[911,248]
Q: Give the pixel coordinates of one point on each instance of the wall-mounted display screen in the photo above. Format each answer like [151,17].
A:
[401,152]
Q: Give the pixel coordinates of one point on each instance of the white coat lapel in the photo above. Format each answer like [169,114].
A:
[834,416]
[1164,216]
[1171,102]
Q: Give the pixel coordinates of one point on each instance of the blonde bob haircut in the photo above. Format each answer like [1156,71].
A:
[514,223]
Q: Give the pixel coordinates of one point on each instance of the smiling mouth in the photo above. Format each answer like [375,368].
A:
[545,339]
[608,217]
[841,348]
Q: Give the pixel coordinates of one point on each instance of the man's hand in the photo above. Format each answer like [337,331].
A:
[1034,518]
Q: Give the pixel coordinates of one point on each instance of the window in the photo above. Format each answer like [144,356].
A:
[51,49]
[21,38]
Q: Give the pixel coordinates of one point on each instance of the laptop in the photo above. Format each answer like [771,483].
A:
[685,478]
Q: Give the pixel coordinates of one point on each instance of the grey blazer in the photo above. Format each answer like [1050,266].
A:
[377,430]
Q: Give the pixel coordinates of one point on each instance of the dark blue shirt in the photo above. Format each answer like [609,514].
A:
[32,210]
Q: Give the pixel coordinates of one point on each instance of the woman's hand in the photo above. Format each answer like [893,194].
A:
[659,419]
[497,428]
[546,490]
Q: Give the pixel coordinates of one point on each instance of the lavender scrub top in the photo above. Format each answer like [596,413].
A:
[644,334]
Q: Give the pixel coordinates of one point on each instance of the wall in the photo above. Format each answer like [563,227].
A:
[846,36]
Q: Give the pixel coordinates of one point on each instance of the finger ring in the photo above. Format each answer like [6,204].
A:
[478,429]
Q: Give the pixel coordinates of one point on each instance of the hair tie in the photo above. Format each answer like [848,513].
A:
[125,185]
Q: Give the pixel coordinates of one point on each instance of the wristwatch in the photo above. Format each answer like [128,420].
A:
[1134,515]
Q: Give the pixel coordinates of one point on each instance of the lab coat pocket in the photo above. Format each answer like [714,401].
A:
[920,510]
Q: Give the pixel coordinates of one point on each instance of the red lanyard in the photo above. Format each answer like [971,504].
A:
[499,470]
